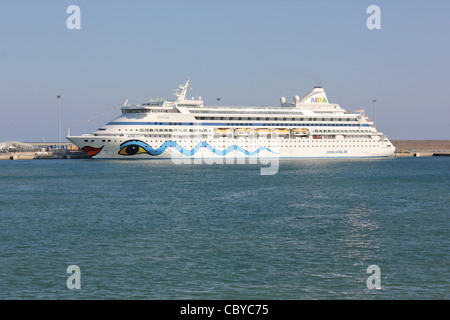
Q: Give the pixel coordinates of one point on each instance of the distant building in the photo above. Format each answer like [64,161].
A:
[15,146]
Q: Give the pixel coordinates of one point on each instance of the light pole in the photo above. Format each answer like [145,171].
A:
[374,112]
[59,122]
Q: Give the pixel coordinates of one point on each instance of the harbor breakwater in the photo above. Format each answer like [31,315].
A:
[75,154]
[421,148]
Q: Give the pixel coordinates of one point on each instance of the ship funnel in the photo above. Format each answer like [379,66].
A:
[316,95]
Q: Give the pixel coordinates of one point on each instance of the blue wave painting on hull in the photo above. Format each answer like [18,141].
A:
[133,147]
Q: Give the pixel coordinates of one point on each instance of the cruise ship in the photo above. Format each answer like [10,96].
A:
[185,128]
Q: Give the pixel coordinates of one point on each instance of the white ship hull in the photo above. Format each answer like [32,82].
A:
[238,148]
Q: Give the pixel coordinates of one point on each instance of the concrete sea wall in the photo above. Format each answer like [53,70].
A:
[421,147]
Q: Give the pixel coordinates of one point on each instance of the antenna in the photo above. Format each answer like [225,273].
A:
[180,93]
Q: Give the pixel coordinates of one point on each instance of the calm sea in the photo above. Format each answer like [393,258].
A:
[157,230]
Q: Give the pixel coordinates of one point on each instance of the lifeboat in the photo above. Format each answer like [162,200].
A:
[317,137]
[281,131]
[242,132]
[299,132]
[263,132]
[223,131]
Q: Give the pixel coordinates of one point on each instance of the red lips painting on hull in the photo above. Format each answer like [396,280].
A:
[91,151]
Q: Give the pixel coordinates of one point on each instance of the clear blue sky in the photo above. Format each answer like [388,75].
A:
[248,52]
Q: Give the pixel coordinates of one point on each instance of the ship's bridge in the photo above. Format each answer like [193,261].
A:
[167,106]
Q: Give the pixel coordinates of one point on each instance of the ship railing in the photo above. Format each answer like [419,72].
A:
[244,107]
